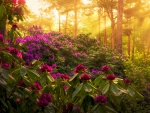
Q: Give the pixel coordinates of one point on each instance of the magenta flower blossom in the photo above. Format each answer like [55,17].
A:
[46,68]
[80,68]
[110,77]
[5,65]
[104,68]
[44,100]
[126,81]
[85,77]
[22,2]
[65,87]
[54,66]
[21,83]
[64,76]
[1,38]
[18,100]
[14,1]
[14,51]
[14,26]
[36,86]
[101,99]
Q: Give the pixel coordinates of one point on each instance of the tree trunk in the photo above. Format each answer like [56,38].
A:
[105,36]
[99,23]
[59,21]
[119,27]
[3,26]
[66,23]
[129,45]
[75,18]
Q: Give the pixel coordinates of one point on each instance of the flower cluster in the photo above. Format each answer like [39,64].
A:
[1,38]
[21,83]
[110,77]
[85,77]
[44,100]
[80,68]
[105,68]
[64,76]
[36,86]
[5,65]
[127,81]
[14,51]
[68,108]
[101,99]
[46,68]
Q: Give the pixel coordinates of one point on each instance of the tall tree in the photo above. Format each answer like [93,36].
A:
[119,27]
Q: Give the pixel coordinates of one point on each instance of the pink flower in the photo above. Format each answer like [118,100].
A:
[5,65]
[65,87]
[14,51]
[14,1]
[14,26]
[64,76]
[110,77]
[80,68]
[22,2]
[36,86]
[44,100]
[18,100]
[101,99]
[1,38]
[54,66]
[46,68]
[104,68]
[126,81]
[21,83]
[85,77]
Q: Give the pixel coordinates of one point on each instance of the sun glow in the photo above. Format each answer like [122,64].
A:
[86,1]
[34,6]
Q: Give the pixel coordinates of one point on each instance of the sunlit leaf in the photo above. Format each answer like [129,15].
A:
[77,90]
[106,88]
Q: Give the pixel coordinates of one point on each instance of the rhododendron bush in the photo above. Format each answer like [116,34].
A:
[31,79]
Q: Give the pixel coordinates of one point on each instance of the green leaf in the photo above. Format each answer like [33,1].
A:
[2,82]
[106,88]
[100,109]
[4,73]
[2,11]
[94,108]
[97,80]
[87,87]
[115,89]
[4,102]
[26,81]
[131,91]
[137,93]
[23,71]
[32,75]
[50,78]
[110,109]
[43,79]
[74,76]
[77,90]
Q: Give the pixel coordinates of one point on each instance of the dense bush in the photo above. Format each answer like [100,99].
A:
[36,86]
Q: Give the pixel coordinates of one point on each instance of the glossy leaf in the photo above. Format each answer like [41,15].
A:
[115,89]
[106,88]
[23,71]
[87,87]
[32,75]
[77,90]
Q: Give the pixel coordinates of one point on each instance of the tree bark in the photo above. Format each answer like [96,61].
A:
[105,36]
[66,23]
[119,27]
[75,18]
[3,26]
